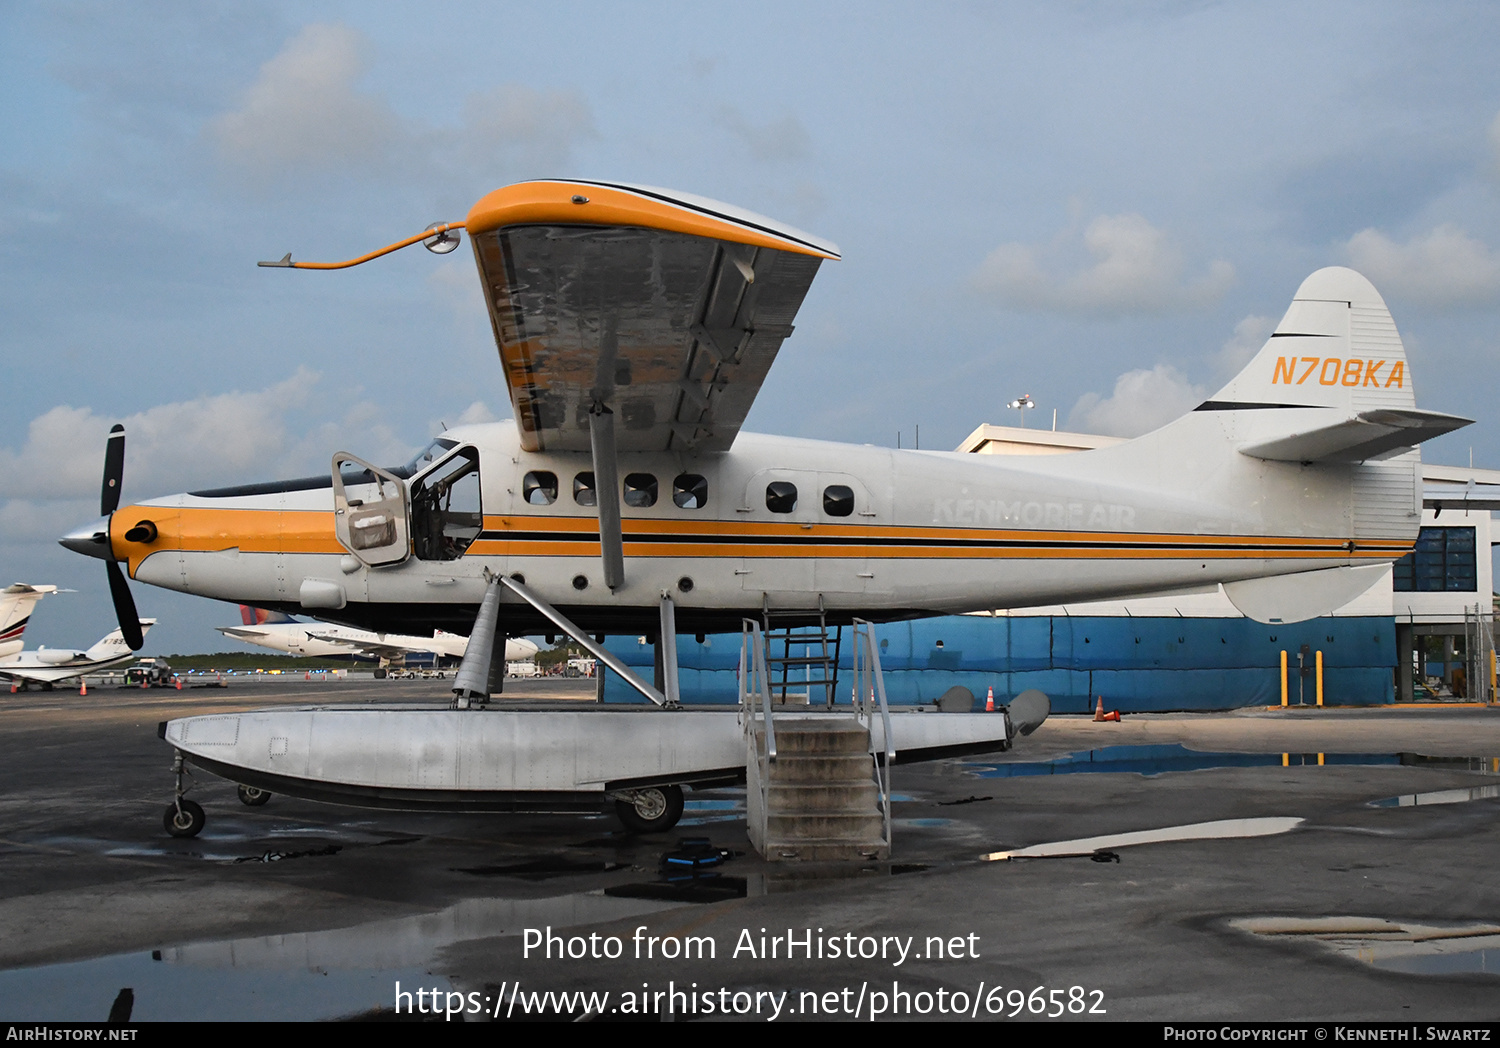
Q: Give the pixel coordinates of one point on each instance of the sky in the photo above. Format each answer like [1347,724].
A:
[1105,206]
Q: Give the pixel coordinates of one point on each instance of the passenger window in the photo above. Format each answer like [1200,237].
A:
[640,490]
[583,490]
[781,496]
[838,500]
[690,491]
[539,488]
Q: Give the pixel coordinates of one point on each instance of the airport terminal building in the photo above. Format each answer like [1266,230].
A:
[1423,631]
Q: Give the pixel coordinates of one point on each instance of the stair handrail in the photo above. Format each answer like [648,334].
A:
[755,683]
[867,666]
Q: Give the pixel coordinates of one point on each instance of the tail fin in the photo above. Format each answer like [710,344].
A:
[260,616]
[16,602]
[1314,439]
[113,646]
[1337,350]
[1337,347]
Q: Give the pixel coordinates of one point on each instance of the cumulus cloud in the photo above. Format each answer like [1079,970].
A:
[1443,267]
[169,446]
[205,442]
[308,111]
[1249,336]
[1135,269]
[779,140]
[1142,401]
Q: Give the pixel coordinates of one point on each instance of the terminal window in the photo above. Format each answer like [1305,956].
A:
[1443,560]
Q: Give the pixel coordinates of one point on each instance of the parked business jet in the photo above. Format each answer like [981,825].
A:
[634,328]
[49,666]
[320,640]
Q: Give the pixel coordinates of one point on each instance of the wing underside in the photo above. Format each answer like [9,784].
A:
[663,317]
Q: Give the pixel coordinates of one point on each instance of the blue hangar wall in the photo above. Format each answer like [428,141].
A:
[1137,664]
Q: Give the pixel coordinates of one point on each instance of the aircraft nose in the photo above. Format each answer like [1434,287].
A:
[92,540]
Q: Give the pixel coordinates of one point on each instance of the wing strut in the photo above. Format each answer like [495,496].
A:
[475,680]
[572,630]
[607,493]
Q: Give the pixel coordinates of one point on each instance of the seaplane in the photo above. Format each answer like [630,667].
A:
[634,327]
[281,632]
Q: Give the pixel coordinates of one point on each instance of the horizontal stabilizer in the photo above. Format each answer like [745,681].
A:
[1368,435]
[1304,595]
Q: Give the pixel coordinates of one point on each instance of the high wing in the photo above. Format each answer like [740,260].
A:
[660,308]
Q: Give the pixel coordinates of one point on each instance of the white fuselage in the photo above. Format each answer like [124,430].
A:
[927,532]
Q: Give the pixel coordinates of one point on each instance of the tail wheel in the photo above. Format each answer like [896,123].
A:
[183,819]
[650,810]
[252,797]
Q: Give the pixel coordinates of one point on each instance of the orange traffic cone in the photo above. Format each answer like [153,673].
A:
[83,686]
[989,701]
[309,675]
[1099,709]
[179,682]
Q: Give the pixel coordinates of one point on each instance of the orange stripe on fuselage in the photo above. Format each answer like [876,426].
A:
[198,529]
[211,529]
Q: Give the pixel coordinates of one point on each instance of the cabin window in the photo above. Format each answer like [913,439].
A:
[838,500]
[689,491]
[640,490]
[781,496]
[539,488]
[583,490]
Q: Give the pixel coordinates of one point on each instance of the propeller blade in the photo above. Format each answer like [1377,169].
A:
[130,622]
[114,470]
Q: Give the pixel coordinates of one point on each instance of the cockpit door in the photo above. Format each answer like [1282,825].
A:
[371,515]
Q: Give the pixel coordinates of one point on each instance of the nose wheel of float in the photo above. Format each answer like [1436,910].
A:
[183,818]
[650,810]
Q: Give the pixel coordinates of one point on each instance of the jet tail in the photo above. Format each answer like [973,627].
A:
[16,602]
[260,616]
[112,645]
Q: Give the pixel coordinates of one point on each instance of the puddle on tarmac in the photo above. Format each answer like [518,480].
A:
[301,976]
[1412,800]
[1157,760]
[702,811]
[543,869]
[1398,946]
[1198,831]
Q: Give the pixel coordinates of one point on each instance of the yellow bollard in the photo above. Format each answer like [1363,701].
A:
[1320,682]
[1283,677]
[1286,760]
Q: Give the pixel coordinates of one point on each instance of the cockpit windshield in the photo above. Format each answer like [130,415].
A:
[426,457]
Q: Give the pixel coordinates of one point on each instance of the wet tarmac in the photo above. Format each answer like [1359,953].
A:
[1384,820]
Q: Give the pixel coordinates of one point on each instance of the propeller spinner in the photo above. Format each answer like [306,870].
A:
[93,540]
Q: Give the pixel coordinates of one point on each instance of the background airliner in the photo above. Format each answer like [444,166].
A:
[280,632]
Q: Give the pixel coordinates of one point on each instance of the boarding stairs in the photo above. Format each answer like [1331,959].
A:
[817,784]
[802,655]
